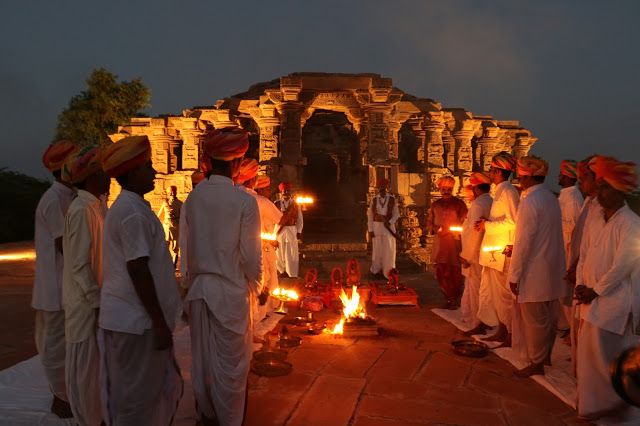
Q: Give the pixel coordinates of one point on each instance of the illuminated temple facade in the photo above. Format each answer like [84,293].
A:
[334,135]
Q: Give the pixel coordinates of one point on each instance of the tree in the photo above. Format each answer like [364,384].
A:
[99,110]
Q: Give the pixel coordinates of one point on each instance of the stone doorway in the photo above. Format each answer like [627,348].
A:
[334,174]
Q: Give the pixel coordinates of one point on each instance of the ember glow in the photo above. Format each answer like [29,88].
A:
[304,199]
[455,228]
[18,255]
[492,248]
[284,294]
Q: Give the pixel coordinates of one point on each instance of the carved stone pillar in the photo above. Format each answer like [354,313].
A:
[465,154]
[190,149]
[523,145]
[268,139]
[449,146]
[488,144]
[290,132]
[160,145]
[392,142]
[380,140]
[435,148]
[421,138]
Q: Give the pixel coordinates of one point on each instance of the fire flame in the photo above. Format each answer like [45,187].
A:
[352,308]
[283,293]
[304,199]
[492,248]
[455,228]
[18,255]
[268,236]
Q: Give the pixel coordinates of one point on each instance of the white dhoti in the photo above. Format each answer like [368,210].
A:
[269,279]
[597,348]
[220,366]
[50,343]
[383,249]
[534,330]
[471,295]
[140,385]
[496,300]
[287,253]
[83,381]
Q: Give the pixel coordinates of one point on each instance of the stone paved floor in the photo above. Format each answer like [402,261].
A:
[406,376]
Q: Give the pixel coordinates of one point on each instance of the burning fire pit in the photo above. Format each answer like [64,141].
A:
[354,322]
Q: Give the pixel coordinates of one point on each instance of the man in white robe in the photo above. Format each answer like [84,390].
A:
[81,281]
[496,300]
[609,295]
[289,231]
[185,279]
[470,254]
[224,261]
[139,302]
[382,216]
[537,268]
[47,288]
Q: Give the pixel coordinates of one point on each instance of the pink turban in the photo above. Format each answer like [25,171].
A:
[248,170]
[226,144]
[57,153]
[478,178]
[503,160]
[125,155]
[82,164]
[532,166]
[620,175]
[569,168]
[446,182]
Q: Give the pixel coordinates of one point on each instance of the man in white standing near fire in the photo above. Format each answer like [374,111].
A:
[382,216]
[289,231]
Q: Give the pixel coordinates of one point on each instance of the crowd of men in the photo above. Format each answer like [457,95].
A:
[535,263]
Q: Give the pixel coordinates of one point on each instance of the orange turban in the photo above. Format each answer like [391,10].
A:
[262,182]
[569,168]
[532,166]
[226,144]
[620,175]
[382,183]
[248,170]
[284,186]
[57,153]
[478,178]
[82,164]
[126,154]
[503,160]
[446,182]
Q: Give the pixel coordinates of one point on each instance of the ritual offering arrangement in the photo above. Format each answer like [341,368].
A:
[355,322]
[394,292]
[283,295]
[287,340]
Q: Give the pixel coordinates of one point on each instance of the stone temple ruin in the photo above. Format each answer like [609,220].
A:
[333,136]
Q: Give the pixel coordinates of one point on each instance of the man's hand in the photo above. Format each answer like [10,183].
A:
[479,225]
[371,234]
[570,276]
[514,288]
[263,296]
[275,243]
[464,263]
[162,337]
[585,294]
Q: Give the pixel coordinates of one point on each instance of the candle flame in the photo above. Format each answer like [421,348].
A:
[492,248]
[285,294]
[304,199]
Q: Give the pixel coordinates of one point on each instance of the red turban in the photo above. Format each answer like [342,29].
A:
[284,186]
[569,168]
[226,144]
[478,178]
[262,182]
[125,155]
[57,153]
[382,183]
[620,175]
[82,164]
[446,182]
[248,170]
[503,160]
[532,166]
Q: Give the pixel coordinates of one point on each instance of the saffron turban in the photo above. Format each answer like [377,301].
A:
[262,182]
[382,183]
[620,175]
[532,166]
[125,155]
[446,182]
[226,144]
[82,164]
[248,170]
[478,178]
[569,168]
[57,153]
[284,186]
[503,160]
[196,177]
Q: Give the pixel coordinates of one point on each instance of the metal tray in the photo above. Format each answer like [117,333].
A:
[271,368]
[470,348]
[288,341]
[267,355]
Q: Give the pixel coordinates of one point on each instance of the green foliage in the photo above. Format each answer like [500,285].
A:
[99,110]
[20,195]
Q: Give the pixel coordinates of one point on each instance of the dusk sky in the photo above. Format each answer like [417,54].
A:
[568,70]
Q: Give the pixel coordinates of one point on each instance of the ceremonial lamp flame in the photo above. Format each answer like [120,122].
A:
[492,250]
[352,308]
[18,255]
[455,228]
[283,295]
[268,236]
[304,199]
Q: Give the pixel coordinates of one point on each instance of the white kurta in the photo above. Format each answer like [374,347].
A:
[538,266]
[609,264]
[81,280]
[495,298]
[47,287]
[224,260]
[288,258]
[383,244]
[140,384]
[571,202]
[471,245]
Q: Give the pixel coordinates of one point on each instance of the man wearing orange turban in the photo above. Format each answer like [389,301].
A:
[139,300]
[470,255]
[247,173]
[382,216]
[81,281]
[446,212]
[263,186]
[47,294]
[289,230]
[495,298]
[538,251]
[608,274]
[224,263]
